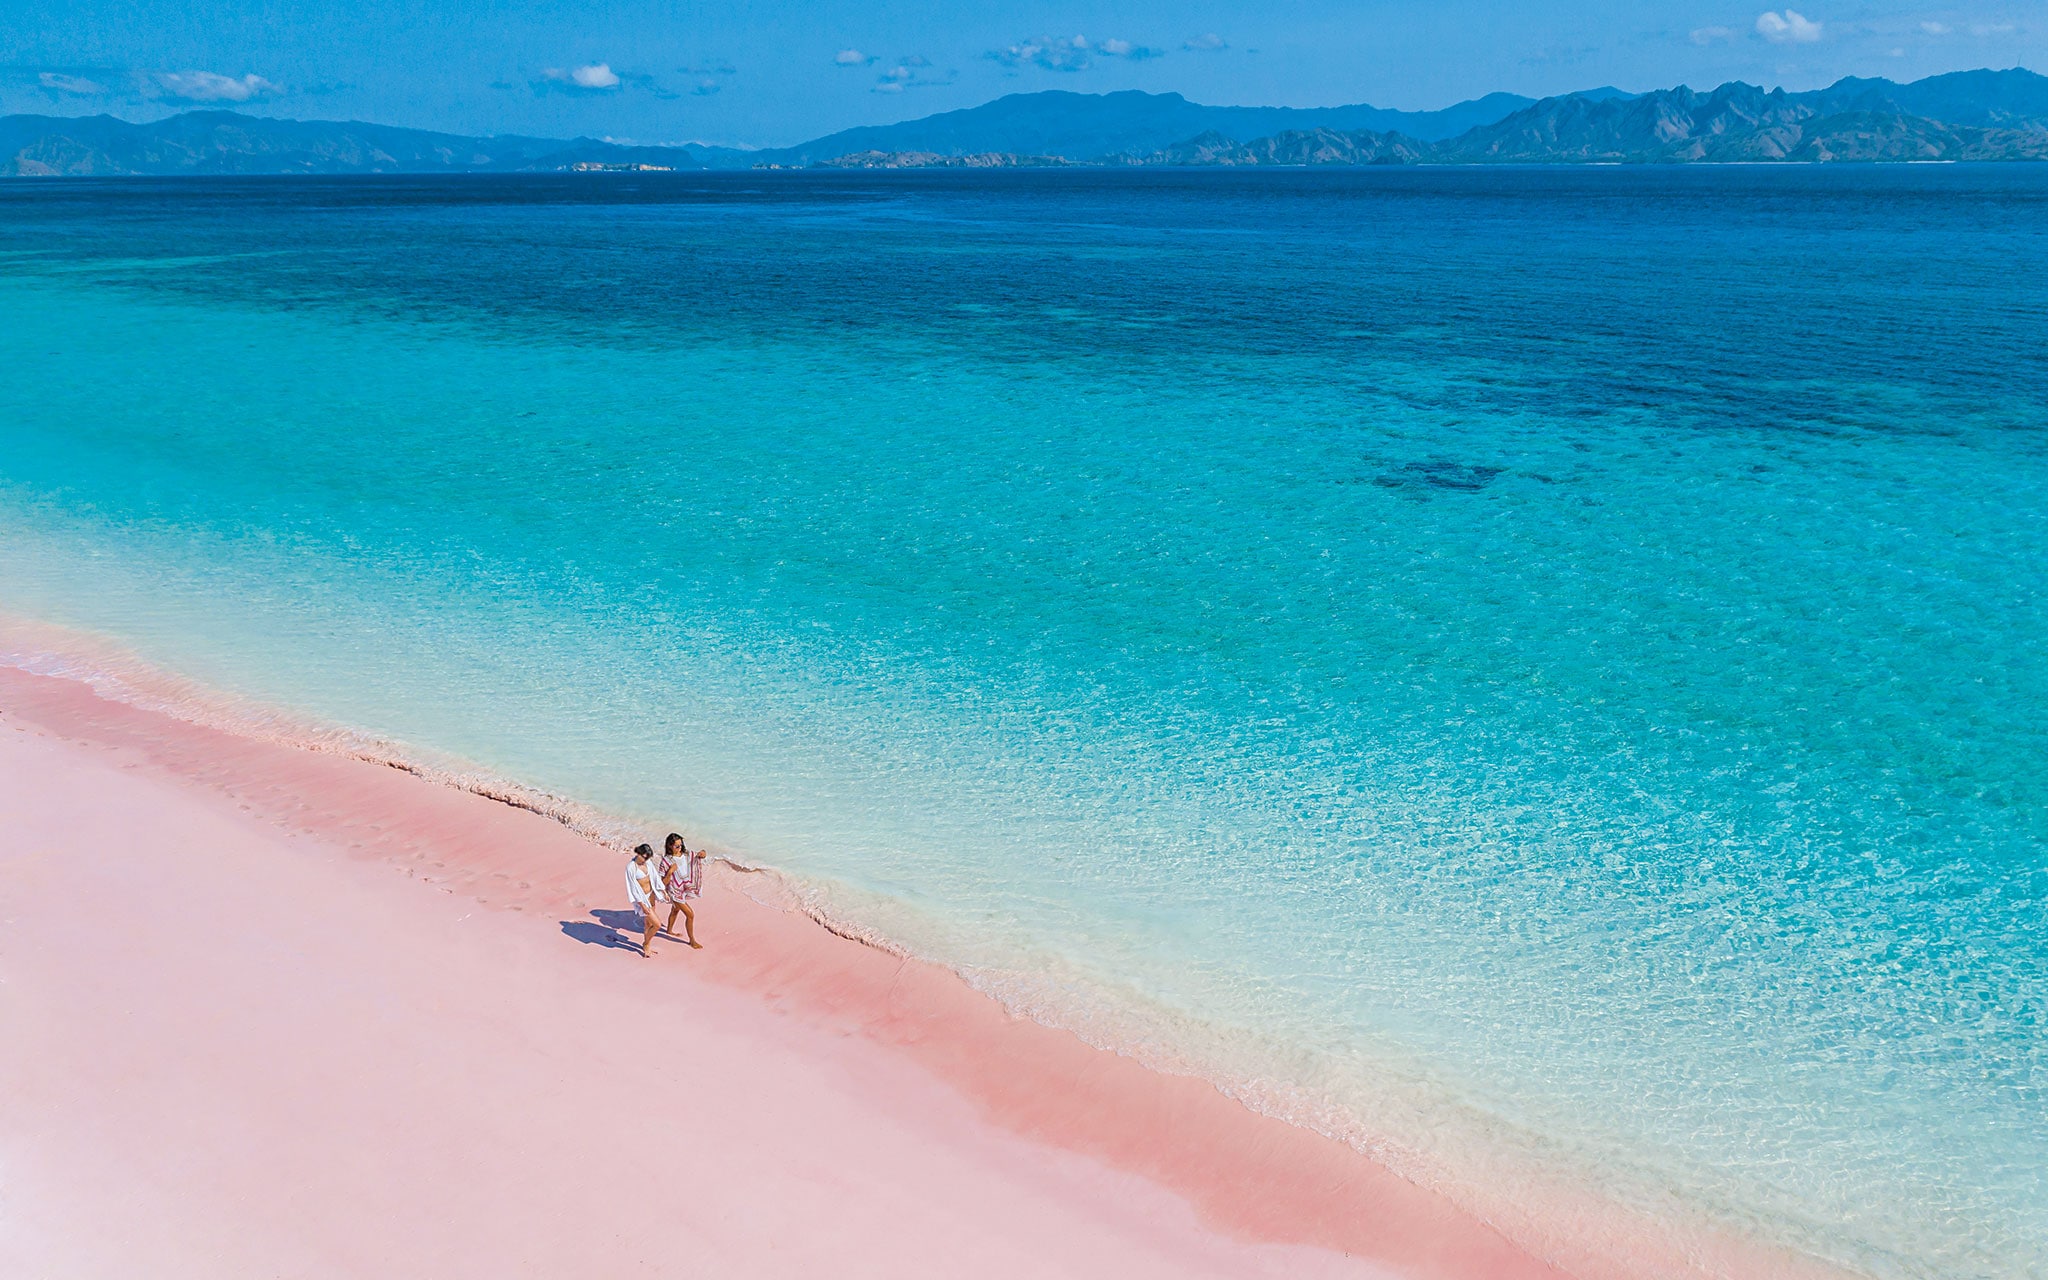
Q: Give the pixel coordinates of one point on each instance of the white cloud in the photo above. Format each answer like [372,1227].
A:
[1205,43]
[208,86]
[1068,53]
[590,78]
[1789,27]
[1936,28]
[1125,49]
[58,82]
[1897,53]
[1053,53]
[1711,35]
[852,58]
[909,73]
[1982,29]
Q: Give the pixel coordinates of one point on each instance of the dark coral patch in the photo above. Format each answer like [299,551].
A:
[1457,476]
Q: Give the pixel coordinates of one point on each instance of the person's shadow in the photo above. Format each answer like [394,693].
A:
[607,927]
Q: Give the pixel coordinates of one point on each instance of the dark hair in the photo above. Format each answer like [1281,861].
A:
[675,839]
[640,849]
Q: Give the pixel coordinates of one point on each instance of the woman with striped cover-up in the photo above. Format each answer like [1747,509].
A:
[682,878]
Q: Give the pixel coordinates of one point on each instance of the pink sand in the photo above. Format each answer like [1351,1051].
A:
[277,1012]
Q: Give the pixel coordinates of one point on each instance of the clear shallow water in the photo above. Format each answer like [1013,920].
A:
[1539,668]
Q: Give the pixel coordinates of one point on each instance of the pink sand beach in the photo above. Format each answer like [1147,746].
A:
[280,1012]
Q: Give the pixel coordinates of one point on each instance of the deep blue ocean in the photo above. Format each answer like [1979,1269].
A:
[1538,672]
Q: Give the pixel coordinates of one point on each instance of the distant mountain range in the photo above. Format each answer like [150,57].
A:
[1965,115]
[223,142]
[1087,126]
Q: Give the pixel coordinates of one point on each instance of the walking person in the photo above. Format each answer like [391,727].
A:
[643,884]
[682,878]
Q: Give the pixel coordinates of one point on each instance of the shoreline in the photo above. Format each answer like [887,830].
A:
[1249,1178]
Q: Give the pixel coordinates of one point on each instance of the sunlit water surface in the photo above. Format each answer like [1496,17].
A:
[1540,671]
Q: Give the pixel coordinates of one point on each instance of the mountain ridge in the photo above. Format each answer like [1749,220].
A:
[1738,122]
[227,142]
[1085,126]
[1966,115]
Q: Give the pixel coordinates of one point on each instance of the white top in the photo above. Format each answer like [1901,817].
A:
[643,882]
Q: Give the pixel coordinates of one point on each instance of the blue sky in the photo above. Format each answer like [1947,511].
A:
[772,73]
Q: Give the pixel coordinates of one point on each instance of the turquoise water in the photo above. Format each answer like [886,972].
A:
[1539,673]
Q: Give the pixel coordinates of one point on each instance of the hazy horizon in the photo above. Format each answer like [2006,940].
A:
[244,108]
[633,71]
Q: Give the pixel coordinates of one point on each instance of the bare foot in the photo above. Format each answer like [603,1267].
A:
[696,944]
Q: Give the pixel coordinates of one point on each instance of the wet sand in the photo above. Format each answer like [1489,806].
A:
[282,1012]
